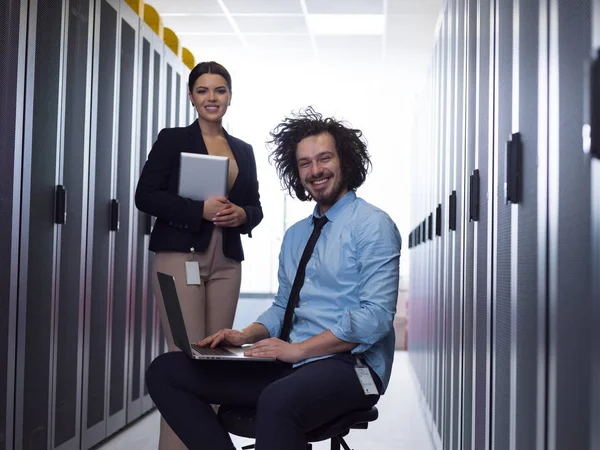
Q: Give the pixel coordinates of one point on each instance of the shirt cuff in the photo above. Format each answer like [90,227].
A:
[270,322]
[340,334]
[361,348]
[343,330]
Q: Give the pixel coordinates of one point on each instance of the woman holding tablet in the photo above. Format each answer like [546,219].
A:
[198,242]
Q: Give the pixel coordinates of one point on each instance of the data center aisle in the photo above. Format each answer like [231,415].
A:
[401,424]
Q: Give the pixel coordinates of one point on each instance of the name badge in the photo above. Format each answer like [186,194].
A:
[192,273]
[365,378]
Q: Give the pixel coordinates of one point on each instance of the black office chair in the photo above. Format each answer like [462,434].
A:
[240,421]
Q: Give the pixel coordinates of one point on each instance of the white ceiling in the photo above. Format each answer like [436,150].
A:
[220,29]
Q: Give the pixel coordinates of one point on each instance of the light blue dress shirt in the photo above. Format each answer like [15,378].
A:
[351,282]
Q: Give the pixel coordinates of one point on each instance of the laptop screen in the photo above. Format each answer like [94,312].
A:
[176,322]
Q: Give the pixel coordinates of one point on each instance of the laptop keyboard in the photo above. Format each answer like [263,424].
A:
[211,351]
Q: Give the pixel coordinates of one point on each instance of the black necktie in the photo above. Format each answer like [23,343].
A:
[299,279]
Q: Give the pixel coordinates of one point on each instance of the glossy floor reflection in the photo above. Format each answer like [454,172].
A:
[400,425]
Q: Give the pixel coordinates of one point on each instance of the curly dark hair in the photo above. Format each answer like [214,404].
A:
[351,147]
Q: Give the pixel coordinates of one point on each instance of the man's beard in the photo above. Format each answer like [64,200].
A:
[328,198]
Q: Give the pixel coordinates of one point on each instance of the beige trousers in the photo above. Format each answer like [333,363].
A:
[206,308]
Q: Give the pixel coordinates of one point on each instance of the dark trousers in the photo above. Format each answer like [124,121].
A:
[289,402]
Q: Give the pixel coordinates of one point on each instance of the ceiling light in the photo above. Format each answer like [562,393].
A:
[346,24]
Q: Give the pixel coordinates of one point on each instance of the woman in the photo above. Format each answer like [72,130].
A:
[204,231]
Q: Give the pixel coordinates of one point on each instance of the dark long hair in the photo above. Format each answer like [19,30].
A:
[208,67]
[350,145]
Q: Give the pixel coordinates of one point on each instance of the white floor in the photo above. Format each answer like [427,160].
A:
[400,425]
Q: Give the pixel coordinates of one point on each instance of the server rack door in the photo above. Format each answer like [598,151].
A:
[68,330]
[142,223]
[124,243]
[39,234]
[436,250]
[447,154]
[482,238]
[179,98]
[101,220]
[183,96]
[170,61]
[444,241]
[595,417]
[501,228]
[524,391]
[468,224]
[542,222]
[418,302]
[185,99]
[424,305]
[415,302]
[13,22]
[569,236]
[423,280]
[452,210]
[425,262]
[595,182]
[152,321]
[427,309]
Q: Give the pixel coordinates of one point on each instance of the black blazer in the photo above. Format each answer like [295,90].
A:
[179,224]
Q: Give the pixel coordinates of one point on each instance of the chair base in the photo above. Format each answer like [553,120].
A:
[336,443]
[240,421]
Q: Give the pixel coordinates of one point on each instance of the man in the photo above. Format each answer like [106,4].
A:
[342,305]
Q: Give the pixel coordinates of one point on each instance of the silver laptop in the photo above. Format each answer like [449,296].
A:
[203,176]
[180,337]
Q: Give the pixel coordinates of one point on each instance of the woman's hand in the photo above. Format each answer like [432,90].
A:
[225,337]
[213,205]
[230,216]
[276,348]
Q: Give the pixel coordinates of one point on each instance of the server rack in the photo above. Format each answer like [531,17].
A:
[451,208]
[447,152]
[569,205]
[445,155]
[102,216]
[467,223]
[73,331]
[530,229]
[142,305]
[13,22]
[595,186]
[123,220]
[68,325]
[527,396]
[152,322]
[435,250]
[52,259]
[501,223]
[483,184]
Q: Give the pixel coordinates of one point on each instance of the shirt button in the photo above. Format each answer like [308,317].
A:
[303,321]
[308,280]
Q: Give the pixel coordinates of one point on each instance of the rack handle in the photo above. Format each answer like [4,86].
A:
[474,184]
[114,215]
[60,205]
[452,212]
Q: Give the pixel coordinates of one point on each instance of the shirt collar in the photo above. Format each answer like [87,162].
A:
[337,207]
